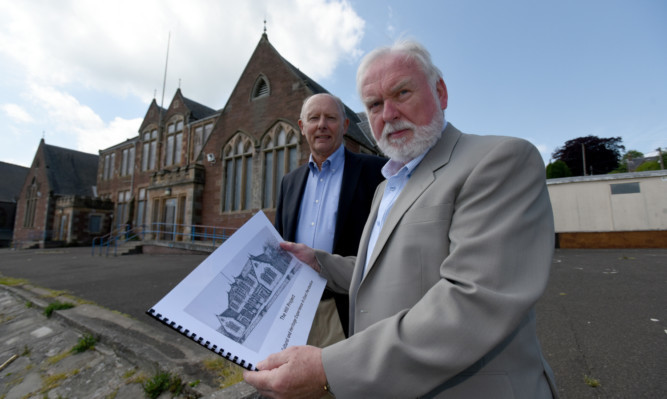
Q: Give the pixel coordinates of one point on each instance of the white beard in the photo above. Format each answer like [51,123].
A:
[403,149]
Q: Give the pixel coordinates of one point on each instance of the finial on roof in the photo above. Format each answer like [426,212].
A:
[265,26]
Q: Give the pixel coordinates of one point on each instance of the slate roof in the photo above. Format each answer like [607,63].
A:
[198,111]
[70,172]
[13,178]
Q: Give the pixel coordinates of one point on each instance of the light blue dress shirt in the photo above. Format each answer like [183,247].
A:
[397,176]
[319,205]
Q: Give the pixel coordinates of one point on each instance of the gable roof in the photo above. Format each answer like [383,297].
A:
[70,172]
[13,177]
[354,130]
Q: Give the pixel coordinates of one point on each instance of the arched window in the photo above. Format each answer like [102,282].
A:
[237,161]
[279,148]
[261,87]
[174,144]
[149,149]
[31,204]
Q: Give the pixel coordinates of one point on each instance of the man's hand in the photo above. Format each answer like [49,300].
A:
[303,253]
[295,373]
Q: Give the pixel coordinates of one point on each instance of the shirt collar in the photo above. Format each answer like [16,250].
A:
[335,160]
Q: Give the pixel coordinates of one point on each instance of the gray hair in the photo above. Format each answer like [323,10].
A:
[411,50]
[339,104]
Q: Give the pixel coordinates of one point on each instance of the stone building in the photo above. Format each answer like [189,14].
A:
[58,204]
[192,165]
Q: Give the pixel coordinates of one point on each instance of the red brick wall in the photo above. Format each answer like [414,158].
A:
[613,239]
[254,118]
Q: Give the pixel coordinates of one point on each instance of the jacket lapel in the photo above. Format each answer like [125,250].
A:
[422,177]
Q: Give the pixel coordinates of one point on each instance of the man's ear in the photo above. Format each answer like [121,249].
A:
[346,124]
[300,125]
[441,90]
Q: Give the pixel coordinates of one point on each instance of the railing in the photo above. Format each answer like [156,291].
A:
[161,232]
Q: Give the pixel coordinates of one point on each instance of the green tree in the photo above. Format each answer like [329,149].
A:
[602,155]
[652,165]
[558,169]
[623,166]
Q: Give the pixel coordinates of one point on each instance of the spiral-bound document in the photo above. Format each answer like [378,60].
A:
[248,299]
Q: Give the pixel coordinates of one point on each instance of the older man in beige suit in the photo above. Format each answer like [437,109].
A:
[453,258]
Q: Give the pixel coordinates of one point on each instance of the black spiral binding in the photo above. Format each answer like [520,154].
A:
[200,341]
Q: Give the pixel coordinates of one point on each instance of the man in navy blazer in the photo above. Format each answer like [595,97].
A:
[323,123]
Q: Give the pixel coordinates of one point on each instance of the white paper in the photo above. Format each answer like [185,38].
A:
[248,299]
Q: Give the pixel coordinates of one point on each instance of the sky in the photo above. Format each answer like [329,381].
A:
[82,73]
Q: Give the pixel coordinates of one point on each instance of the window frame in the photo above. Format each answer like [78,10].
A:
[273,145]
[237,186]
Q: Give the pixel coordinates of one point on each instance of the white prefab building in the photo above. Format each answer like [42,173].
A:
[627,210]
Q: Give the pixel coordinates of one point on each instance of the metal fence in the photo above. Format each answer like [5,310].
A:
[168,232]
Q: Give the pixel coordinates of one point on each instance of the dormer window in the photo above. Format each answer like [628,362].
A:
[261,87]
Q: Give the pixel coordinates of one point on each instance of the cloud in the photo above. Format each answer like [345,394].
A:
[69,118]
[16,113]
[75,60]
[121,46]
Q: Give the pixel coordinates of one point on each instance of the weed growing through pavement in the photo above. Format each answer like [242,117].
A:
[48,311]
[86,342]
[591,382]
[162,382]
[227,372]
[56,358]
[53,381]
[12,282]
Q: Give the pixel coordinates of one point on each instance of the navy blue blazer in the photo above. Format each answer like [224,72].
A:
[361,175]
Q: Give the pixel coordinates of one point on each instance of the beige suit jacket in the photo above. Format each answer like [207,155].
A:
[446,308]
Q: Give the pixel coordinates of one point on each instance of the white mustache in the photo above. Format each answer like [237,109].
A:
[391,127]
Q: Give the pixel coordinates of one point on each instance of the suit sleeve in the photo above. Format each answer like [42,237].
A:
[500,243]
[337,270]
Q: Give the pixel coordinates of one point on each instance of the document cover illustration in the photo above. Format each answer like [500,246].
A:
[248,299]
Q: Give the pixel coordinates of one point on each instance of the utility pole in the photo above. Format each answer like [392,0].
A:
[662,163]
[583,156]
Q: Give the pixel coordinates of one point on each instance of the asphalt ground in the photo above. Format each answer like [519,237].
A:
[602,321]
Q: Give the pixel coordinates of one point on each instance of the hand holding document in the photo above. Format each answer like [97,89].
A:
[248,299]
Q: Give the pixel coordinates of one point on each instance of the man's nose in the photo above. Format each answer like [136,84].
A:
[389,111]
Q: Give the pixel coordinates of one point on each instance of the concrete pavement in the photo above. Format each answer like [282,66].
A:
[603,318]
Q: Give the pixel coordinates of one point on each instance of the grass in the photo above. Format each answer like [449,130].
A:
[48,311]
[86,342]
[162,382]
[53,381]
[56,358]
[228,373]
[12,282]
[591,382]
